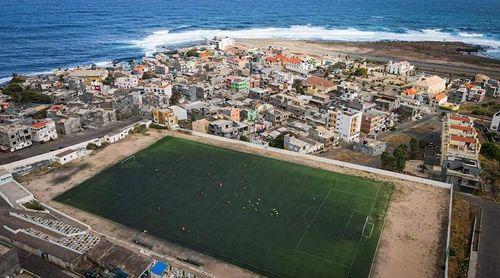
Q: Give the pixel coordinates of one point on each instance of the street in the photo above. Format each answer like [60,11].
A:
[63,141]
[488,264]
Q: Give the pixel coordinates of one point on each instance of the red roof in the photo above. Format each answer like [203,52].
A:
[282,58]
[410,92]
[295,61]
[460,118]
[439,96]
[38,125]
[318,81]
[460,127]
[463,139]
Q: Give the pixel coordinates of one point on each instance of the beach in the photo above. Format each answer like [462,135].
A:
[454,59]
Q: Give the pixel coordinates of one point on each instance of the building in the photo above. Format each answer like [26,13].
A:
[315,84]
[323,135]
[459,138]
[165,117]
[224,128]
[458,96]
[462,172]
[399,68]
[66,156]
[221,43]
[346,122]
[431,85]
[495,122]
[369,146]
[372,123]
[276,117]
[89,75]
[163,87]
[298,66]
[438,100]
[43,131]
[200,125]
[68,125]
[127,82]
[14,137]
[240,84]
[302,145]
[9,262]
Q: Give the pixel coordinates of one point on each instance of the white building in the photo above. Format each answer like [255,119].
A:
[299,66]
[43,131]
[431,85]
[495,122]
[127,82]
[66,156]
[222,43]
[400,68]
[180,112]
[346,122]
[304,146]
[163,87]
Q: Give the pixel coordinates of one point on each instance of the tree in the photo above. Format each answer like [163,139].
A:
[244,138]
[109,79]
[192,53]
[412,154]
[339,65]
[491,150]
[279,142]
[298,86]
[176,97]
[148,75]
[360,72]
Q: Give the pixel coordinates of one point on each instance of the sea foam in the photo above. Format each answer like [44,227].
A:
[151,42]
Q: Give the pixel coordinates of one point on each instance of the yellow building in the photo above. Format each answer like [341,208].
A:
[165,117]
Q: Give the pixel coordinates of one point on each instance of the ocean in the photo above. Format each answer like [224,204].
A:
[39,35]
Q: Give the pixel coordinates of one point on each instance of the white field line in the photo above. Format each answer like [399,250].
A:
[361,237]
[320,258]
[312,220]
[347,225]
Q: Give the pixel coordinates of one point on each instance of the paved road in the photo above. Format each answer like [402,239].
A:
[489,237]
[62,142]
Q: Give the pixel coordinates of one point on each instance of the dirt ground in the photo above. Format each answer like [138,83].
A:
[449,57]
[411,244]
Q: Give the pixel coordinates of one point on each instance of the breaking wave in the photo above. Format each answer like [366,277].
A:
[150,43]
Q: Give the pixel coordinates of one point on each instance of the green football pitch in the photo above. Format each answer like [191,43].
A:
[275,218]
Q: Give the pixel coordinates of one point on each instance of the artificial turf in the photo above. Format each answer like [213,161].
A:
[273,217]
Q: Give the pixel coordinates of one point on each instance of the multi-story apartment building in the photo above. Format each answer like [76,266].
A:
[459,138]
[43,131]
[240,84]
[372,123]
[68,125]
[127,82]
[399,68]
[163,87]
[346,122]
[14,137]
[165,117]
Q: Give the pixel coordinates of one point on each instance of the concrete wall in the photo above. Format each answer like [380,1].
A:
[328,161]
[45,156]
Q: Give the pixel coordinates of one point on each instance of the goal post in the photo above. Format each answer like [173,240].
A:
[127,159]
